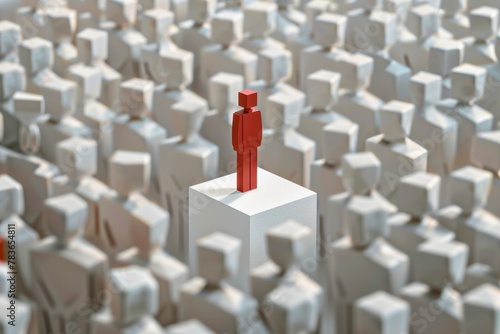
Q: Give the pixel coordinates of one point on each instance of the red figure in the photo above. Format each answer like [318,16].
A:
[247,137]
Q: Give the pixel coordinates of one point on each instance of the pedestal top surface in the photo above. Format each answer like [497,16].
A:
[272,191]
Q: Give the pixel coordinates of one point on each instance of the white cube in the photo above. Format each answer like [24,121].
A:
[482,310]
[488,246]
[129,172]
[122,12]
[218,257]
[175,68]
[329,29]
[288,243]
[155,24]
[60,98]
[424,21]
[227,28]
[136,97]
[418,194]
[216,206]
[445,55]
[438,263]
[12,80]
[361,172]
[484,22]
[356,71]
[395,120]
[11,197]
[77,157]
[486,150]
[386,26]
[36,54]
[28,107]
[88,79]
[134,294]
[201,10]
[291,310]
[283,110]
[188,120]
[61,24]
[92,45]
[340,137]
[322,89]
[468,82]
[425,89]
[452,7]
[154,4]
[10,37]
[470,187]
[274,65]
[260,18]
[64,216]
[381,313]
[399,7]
[367,220]
[223,90]
[314,9]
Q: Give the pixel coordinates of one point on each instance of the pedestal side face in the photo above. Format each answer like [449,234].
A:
[216,206]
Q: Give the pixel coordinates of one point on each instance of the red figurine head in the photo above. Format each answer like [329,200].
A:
[247,99]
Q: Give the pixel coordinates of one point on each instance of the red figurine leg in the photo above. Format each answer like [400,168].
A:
[248,167]
[244,170]
[239,170]
[253,168]
[247,170]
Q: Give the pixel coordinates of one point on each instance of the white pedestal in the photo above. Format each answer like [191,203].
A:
[216,206]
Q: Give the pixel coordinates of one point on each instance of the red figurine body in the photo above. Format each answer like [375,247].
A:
[247,137]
